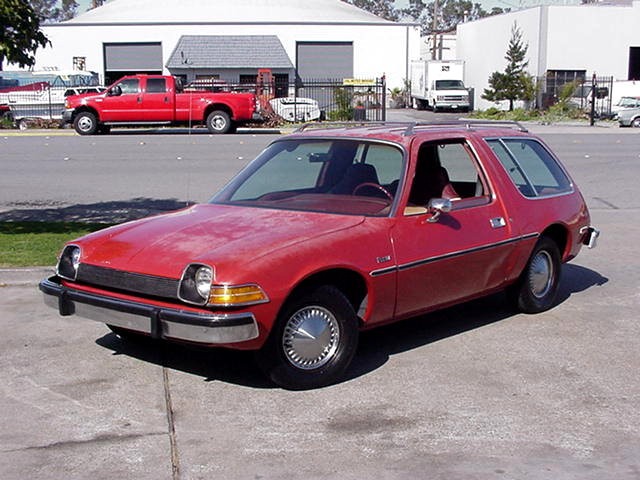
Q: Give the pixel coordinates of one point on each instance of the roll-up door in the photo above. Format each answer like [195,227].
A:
[324,60]
[129,58]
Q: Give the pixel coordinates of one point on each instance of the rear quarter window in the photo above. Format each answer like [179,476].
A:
[531,166]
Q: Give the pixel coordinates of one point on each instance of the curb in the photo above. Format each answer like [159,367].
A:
[20,277]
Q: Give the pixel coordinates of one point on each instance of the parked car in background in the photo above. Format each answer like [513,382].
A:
[332,231]
[296,109]
[623,104]
[629,117]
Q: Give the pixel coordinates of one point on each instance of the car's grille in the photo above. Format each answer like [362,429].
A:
[128,282]
[454,98]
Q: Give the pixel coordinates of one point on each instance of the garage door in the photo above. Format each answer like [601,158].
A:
[324,60]
[129,58]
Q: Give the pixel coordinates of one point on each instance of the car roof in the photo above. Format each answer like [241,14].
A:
[405,132]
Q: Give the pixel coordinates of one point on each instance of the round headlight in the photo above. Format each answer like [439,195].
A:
[203,279]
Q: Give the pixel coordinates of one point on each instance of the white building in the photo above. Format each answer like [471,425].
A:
[563,40]
[313,39]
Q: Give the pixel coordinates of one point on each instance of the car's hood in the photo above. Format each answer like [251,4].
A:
[165,244]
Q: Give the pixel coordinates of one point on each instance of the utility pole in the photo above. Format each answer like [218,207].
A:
[434,28]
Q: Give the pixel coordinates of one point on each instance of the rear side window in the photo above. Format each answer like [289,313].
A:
[531,167]
[156,85]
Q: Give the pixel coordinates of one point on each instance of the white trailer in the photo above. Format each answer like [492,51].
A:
[439,84]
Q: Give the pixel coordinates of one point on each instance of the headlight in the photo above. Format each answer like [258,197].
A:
[196,286]
[69,262]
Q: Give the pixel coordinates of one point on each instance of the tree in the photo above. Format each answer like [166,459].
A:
[515,83]
[381,8]
[49,11]
[448,15]
[20,36]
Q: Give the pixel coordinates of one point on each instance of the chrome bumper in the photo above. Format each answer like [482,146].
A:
[159,322]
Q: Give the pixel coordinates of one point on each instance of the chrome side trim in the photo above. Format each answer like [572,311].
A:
[159,322]
[425,261]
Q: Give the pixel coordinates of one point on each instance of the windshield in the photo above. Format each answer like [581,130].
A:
[449,85]
[353,177]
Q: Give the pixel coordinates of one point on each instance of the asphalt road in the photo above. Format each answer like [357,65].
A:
[472,392]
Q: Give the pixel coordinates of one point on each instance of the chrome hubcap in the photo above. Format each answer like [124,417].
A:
[541,274]
[85,124]
[311,338]
[218,122]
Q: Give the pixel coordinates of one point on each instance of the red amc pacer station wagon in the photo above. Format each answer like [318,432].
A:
[333,230]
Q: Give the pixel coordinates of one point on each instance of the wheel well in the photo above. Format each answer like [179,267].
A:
[218,106]
[350,283]
[85,109]
[559,235]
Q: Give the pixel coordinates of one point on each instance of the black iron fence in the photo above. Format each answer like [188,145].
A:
[304,100]
[592,95]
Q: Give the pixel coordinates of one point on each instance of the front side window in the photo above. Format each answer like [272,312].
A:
[531,167]
[341,176]
[129,85]
[448,169]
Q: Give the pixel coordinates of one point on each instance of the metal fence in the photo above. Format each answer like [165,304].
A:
[351,99]
[592,95]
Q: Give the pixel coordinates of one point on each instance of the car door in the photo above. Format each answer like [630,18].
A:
[156,104]
[121,102]
[456,255]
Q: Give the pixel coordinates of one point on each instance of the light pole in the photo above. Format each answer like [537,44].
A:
[434,28]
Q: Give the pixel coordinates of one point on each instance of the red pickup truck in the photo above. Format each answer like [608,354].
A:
[158,100]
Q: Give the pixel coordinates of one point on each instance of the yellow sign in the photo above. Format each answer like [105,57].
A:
[358,81]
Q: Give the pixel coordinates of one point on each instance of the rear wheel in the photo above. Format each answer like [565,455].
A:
[219,122]
[636,122]
[313,341]
[537,288]
[85,123]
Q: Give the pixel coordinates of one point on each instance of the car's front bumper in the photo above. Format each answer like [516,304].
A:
[156,321]
[67,115]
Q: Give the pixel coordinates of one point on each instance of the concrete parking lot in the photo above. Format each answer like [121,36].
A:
[471,392]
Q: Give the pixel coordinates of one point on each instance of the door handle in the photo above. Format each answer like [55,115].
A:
[498,222]
[139,99]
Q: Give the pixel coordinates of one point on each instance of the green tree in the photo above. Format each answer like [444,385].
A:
[50,11]
[449,14]
[381,8]
[515,83]
[20,36]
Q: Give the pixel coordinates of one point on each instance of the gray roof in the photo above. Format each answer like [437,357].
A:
[229,51]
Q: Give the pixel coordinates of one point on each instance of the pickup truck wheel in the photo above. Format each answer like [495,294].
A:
[218,122]
[537,287]
[85,123]
[312,342]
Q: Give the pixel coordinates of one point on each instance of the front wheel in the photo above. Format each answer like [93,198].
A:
[537,287]
[219,122]
[636,123]
[85,123]
[312,342]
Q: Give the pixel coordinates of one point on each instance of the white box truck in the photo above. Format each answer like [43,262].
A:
[439,85]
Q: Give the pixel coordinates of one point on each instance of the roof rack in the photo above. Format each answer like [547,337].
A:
[411,126]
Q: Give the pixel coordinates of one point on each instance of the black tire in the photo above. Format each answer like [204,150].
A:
[537,288]
[85,123]
[312,342]
[218,122]
[635,122]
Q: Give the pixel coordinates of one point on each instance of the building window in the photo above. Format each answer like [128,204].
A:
[79,63]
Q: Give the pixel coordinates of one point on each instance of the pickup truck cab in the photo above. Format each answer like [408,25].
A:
[158,100]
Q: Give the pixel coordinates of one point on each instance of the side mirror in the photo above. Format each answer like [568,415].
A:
[438,206]
[115,91]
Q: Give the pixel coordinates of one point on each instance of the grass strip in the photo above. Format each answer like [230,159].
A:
[30,244]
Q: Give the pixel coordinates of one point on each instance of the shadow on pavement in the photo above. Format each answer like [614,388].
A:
[376,346]
[103,212]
